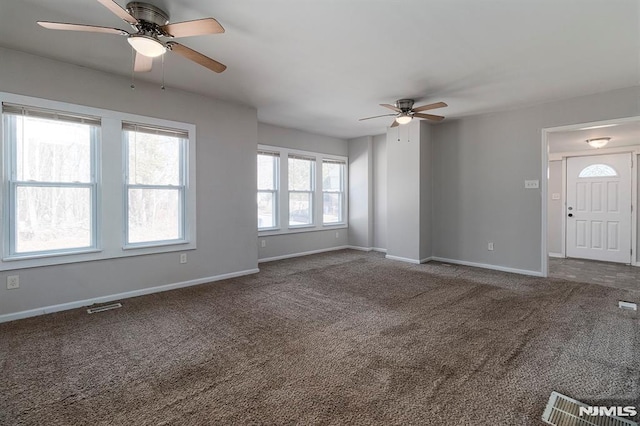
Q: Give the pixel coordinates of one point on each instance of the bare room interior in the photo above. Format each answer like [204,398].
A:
[445,230]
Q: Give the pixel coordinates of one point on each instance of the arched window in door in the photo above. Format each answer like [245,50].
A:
[597,170]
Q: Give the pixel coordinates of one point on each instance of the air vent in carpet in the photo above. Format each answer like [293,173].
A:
[564,411]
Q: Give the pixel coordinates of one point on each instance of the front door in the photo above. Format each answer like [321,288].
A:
[598,210]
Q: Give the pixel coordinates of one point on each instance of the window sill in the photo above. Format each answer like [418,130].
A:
[301,230]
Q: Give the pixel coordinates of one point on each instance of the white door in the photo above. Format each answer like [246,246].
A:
[598,210]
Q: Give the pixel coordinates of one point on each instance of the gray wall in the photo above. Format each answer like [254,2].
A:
[361,192]
[554,208]
[426,190]
[226,184]
[301,242]
[480,164]
[380,191]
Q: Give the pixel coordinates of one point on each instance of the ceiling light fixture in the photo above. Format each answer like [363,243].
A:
[404,119]
[146,45]
[598,142]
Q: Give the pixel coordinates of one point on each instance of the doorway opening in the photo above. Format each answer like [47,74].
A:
[589,195]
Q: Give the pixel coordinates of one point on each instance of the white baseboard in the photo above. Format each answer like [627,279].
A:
[560,255]
[488,266]
[403,259]
[378,249]
[426,259]
[304,253]
[119,296]
[360,248]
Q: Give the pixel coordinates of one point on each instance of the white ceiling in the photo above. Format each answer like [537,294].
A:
[320,65]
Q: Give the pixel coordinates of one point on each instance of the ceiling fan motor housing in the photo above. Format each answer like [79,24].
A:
[148,13]
[405,104]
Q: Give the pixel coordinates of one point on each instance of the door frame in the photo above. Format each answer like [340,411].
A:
[544,193]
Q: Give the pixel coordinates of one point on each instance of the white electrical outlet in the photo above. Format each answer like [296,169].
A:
[490,246]
[183,257]
[337,234]
[263,243]
[13,282]
[531,184]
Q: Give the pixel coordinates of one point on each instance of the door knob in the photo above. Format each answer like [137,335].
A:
[570,215]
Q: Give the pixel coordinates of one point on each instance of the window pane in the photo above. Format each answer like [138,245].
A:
[332,207]
[332,176]
[300,209]
[153,159]
[300,172]
[266,172]
[154,215]
[266,210]
[598,170]
[52,151]
[52,218]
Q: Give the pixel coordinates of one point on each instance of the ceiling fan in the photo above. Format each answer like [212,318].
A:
[405,112]
[151,25]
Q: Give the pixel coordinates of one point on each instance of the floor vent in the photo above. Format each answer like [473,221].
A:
[627,305]
[104,308]
[564,411]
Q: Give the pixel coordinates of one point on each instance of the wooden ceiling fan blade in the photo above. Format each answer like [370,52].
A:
[395,108]
[377,116]
[429,116]
[196,57]
[116,9]
[395,124]
[142,63]
[193,28]
[430,106]
[79,27]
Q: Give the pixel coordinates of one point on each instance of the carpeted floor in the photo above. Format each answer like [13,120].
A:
[338,338]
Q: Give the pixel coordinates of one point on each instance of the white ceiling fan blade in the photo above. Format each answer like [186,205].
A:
[430,106]
[116,9]
[79,27]
[193,28]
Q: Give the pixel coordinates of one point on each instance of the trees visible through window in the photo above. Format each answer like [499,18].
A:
[52,180]
[155,184]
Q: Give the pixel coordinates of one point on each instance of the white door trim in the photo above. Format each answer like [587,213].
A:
[544,252]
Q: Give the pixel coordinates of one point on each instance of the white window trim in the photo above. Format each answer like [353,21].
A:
[275,192]
[110,193]
[283,201]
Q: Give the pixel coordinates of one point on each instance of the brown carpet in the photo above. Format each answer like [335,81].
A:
[338,338]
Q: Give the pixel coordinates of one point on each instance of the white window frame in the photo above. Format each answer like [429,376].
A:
[283,196]
[341,191]
[12,184]
[275,191]
[181,188]
[311,192]
[110,177]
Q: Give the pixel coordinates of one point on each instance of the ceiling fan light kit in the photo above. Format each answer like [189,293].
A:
[151,24]
[404,112]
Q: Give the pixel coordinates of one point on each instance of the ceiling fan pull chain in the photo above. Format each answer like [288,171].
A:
[162,87]
[133,65]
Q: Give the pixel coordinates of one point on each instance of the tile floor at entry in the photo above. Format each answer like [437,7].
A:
[605,273]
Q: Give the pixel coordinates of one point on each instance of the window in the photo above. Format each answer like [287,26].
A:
[155,184]
[267,189]
[52,184]
[83,184]
[301,189]
[333,191]
[315,191]
[598,170]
